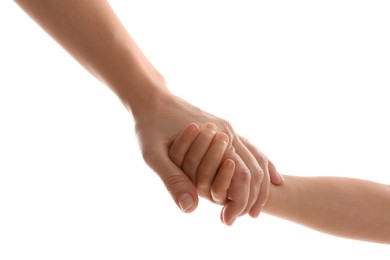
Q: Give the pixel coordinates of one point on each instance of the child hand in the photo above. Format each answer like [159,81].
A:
[201,154]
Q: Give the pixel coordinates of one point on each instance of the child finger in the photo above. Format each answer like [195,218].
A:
[222,181]
[198,148]
[210,163]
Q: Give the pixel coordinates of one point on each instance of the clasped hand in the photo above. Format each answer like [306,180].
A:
[212,160]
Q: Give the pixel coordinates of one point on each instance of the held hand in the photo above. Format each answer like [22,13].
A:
[214,173]
[157,126]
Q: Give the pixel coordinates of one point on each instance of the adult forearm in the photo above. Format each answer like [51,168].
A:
[346,207]
[92,33]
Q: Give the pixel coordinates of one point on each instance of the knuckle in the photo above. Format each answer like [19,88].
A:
[148,156]
[230,152]
[227,126]
[265,161]
[247,142]
[257,176]
[245,174]
[260,173]
[210,126]
[174,182]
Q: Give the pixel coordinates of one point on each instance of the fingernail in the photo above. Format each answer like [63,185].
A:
[226,221]
[211,126]
[216,199]
[193,129]
[231,222]
[186,202]
[224,138]
[258,211]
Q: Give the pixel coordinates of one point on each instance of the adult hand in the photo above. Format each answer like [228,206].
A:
[159,124]
[101,44]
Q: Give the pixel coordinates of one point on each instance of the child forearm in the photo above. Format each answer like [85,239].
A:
[345,207]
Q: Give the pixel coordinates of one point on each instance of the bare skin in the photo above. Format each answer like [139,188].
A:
[345,207]
[206,149]
[92,33]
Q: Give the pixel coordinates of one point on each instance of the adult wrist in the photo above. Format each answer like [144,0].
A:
[143,96]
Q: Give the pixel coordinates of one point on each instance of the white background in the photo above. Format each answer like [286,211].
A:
[306,81]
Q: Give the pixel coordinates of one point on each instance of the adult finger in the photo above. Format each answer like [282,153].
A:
[209,167]
[178,184]
[197,150]
[221,184]
[182,143]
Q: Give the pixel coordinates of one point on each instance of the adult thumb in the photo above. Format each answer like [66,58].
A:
[179,185]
